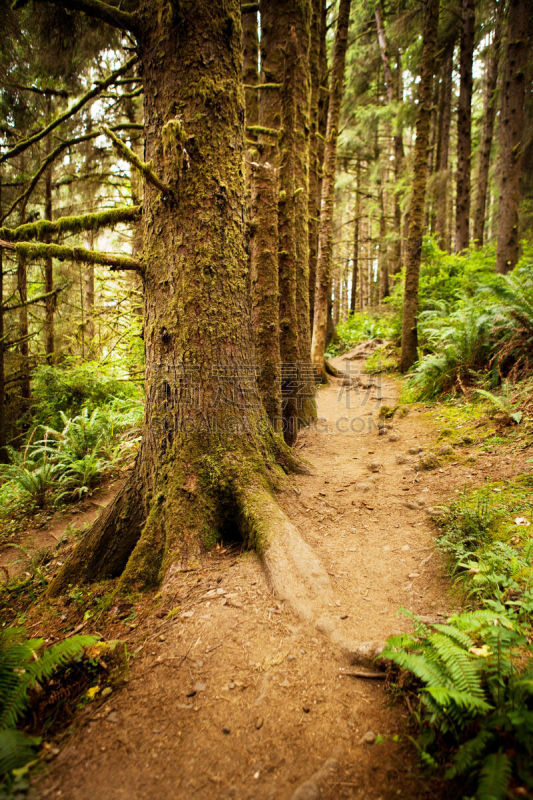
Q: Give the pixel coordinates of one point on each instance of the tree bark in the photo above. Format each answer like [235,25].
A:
[355,251]
[50,302]
[442,182]
[489,114]
[511,130]
[314,164]
[265,287]
[418,192]
[3,452]
[250,76]
[285,32]
[325,243]
[207,447]
[464,128]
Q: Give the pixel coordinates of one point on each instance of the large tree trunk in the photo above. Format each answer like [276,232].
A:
[325,243]
[207,451]
[489,114]
[511,130]
[464,133]
[418,191]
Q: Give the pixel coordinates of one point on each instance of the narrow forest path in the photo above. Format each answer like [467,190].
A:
[230,695]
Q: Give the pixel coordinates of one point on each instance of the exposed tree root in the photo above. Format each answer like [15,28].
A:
[331,370]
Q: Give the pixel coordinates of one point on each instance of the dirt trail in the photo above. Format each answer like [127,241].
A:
[231,695]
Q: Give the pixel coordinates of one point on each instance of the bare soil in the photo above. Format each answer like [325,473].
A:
[231,695]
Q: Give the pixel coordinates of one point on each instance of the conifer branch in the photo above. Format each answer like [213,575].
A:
[144,167]
[97,89]
[51,157]
[45,227]
[31,251]
[95,8]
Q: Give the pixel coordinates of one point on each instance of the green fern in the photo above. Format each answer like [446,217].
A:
[494,777]
[22,667]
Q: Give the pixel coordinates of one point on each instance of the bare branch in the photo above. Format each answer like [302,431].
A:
[41,250]
[44,227]
[51,157]
[94,92]
[144,167]
[34,300]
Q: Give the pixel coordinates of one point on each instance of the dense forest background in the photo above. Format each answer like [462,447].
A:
[201,205]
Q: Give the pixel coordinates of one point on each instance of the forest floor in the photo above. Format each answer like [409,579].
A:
[229,694]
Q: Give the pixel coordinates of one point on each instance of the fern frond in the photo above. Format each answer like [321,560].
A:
[16,749]
[469,753]
[494,777]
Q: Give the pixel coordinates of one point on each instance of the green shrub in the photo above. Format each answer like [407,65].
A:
[361,326]
[69,389]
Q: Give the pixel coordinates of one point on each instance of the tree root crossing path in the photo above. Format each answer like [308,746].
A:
[247,682]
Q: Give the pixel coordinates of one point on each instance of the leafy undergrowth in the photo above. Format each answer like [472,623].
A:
[469,682]
[362,326]
[84,428]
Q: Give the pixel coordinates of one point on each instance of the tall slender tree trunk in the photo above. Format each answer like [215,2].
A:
[442,182]
[285,32]
[325,243]
[418,192]
[511,132]
[355,251]
[489,114]
[3,437]
[207,449]
[50,301]
[314,165]
[265,288]
[464,128]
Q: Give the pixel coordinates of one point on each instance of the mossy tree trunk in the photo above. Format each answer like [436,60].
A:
[265,287]
[511,131]
[355,251]
[489,115]
[285,37]
[3,452]
[464,128]
[207,448]
[393,90]
[325,241]
[250,61]
[314,165]
[418,191]
[50,301]
[442,178]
